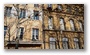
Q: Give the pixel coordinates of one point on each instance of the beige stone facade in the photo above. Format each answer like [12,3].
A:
[44,26]
[66,12]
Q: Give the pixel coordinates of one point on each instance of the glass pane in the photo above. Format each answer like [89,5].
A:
[50,23]
[76,45]
[52,39]
[35,34]
[72,24]
[49,5]
[52,45]
[65,45]
[65,39]
[21,32]
[62,24]
[5,27]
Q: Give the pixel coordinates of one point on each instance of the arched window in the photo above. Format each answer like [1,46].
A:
[52,43]
[65,43]
[76,43]
[80,26]
[72,25]
[62,24]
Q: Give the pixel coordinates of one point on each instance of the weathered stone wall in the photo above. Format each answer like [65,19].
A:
[27,23]
[67,16]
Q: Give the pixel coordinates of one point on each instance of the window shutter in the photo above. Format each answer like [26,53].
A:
[26,14]
[31,14]
[40,15]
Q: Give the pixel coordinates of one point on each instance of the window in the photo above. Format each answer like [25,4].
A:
[68,9]
[21,29]
[8,11]
[5,29]
[52,43]
[80,26]
[72,25]
[59,7]
[76,10]
[65,43]
[22,13]
[50,22]
[13,12]
[36,15]
[36,5]
[76,43]
[35,34]
[49,5]
[62,24]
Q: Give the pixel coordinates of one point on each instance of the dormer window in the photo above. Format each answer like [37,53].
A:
[68,9]
[49,5]
[59,7]
[36,5]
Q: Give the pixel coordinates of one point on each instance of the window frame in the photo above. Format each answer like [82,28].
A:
[36,15]
[35,34]
[21,32]
[72,25]
[36,5]
[22,13]
[50,22]
[52,43]
[5,30]
[61,24]
[65,43]
[76,42]
[8,11]
[50,5]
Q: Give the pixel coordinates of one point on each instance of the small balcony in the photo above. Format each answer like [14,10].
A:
[25,42]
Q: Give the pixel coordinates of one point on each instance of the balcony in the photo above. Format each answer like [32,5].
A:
[25,42]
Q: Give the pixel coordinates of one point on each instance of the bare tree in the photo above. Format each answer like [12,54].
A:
[17,22]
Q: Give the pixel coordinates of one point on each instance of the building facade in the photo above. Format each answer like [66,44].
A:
[44,26]
[23,26]
[63,26]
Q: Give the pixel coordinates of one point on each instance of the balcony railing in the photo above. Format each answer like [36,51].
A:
[25,42]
